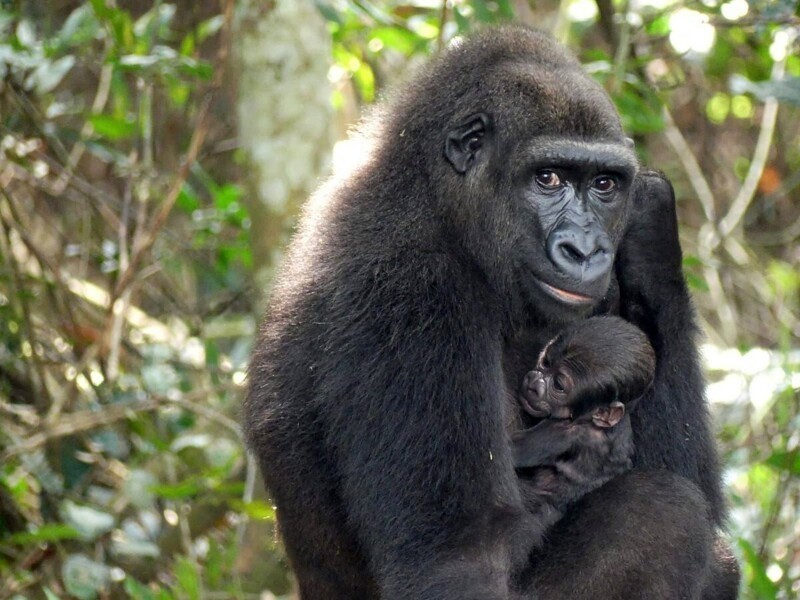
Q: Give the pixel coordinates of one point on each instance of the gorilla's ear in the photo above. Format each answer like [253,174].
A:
[607,417]
[465,142]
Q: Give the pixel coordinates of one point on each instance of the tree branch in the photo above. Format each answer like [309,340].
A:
[86,420]
[746,194]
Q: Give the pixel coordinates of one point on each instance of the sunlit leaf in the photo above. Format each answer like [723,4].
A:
[255,509]
[89,522]
[83,577]
[113,128]
[138,488]
[49,74]
[80,27]
[398,39]
[125,545]
[786,90]
[209,27]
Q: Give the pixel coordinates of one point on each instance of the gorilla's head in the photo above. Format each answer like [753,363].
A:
[529,163]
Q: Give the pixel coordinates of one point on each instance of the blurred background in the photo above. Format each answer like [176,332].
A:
[153,156]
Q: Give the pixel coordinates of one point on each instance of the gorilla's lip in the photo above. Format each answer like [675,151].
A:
[564,295]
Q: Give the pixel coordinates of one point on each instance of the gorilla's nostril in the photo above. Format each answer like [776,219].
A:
[572,253]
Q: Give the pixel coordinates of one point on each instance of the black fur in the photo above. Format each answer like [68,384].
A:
[597,361]
[379,402]
[586,381]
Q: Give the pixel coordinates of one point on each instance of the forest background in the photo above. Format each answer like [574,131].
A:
[153,156]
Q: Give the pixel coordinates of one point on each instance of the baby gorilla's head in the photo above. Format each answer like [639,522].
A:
[599,361]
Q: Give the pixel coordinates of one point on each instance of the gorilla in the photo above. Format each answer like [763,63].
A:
[500,201]
[584,366]
[585,383]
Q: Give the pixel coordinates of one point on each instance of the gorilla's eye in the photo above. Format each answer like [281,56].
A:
[547,179]
[604,184]
[559,384]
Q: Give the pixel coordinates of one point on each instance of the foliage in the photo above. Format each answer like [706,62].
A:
[126,312]
[126,315]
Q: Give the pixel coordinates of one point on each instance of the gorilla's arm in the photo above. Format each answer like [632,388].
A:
[671,426]
[412,401]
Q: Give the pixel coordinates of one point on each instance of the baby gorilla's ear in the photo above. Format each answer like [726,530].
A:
[608,416]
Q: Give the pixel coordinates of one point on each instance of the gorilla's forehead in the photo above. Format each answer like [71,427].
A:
[543,99]
[574,151]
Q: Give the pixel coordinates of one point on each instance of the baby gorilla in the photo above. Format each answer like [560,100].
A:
[587,380]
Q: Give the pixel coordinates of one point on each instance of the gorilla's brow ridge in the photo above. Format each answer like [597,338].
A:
[566,152]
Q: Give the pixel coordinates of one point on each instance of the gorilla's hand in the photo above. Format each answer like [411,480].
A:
[650,250]
[649,259]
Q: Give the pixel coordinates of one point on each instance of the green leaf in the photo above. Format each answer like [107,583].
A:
[690,260]
[160,378]
[188,576]
[178,491]
[113,128]
[785,461]
[26,36]
[463,23]
[327,11]
[639,114]
[51,532]
[255,509]
[659,27]
[756,573]
[49,594]
[139,591]
[398,39]
[696,282]
[155,22]
[365,81]
[187,200]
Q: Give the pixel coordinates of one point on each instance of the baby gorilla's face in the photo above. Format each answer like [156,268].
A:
[548,390]
[591,370]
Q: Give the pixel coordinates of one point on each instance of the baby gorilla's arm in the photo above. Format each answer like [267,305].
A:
[561,460]
[543,443]
[587,435]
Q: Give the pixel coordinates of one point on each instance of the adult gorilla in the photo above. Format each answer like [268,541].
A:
[416,295]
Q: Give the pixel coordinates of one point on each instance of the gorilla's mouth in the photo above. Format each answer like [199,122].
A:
[564,295]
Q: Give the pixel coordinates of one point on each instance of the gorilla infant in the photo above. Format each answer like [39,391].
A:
[585,383]
[589,364]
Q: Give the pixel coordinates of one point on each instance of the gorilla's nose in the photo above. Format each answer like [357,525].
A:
[580,254]
[538,388]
